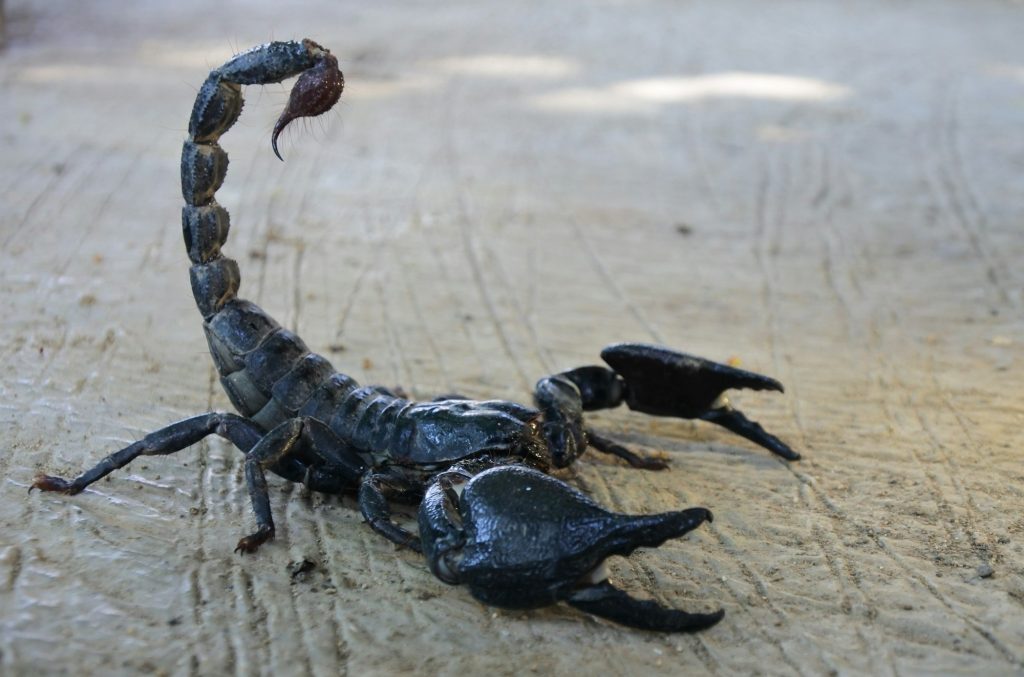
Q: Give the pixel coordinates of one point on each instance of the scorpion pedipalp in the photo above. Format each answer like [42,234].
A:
[520,539]
[663,382]
[653,380]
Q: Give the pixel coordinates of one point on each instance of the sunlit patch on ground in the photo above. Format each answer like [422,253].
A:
[648,95]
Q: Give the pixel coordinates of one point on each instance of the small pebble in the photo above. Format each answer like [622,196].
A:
[298,569]
[985,571]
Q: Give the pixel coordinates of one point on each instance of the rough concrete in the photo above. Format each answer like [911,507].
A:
[829,192]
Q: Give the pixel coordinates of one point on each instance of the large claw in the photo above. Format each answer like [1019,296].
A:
[521,539]
[662,382]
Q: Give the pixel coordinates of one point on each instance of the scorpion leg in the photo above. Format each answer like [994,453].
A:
[520,539]
[374,491]
[301,437]
[241,432]
[608,446]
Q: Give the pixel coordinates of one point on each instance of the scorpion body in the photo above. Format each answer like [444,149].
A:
[301,419]
[269,374]
[298,416]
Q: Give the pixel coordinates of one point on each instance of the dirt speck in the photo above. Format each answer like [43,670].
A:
[299,570]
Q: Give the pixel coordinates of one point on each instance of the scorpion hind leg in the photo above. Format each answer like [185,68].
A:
[242,432]
[662,382]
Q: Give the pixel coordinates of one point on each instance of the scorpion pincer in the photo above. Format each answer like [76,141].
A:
[304,421]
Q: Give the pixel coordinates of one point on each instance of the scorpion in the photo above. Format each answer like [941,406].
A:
[489,515]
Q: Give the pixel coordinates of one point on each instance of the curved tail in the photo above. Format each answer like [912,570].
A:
[204,164]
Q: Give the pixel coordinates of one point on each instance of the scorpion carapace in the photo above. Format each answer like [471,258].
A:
[304,421]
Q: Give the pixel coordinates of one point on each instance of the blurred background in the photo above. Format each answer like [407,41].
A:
[829,193]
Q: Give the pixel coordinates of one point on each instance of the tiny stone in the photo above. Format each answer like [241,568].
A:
[298,569]
[985,571]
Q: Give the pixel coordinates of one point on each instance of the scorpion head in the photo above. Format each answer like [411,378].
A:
[315,92]
[564,443]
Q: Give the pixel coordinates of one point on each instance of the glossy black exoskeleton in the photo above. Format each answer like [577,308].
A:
[301,419]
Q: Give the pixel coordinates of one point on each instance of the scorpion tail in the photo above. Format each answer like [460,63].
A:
[251,351]
[204,164]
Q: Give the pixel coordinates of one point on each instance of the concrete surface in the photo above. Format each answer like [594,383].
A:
[829,192]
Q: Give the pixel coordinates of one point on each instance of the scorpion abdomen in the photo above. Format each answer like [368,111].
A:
[366,418]
[446,431]
[297,387]
[240,326]
[328,396]
[267,371]
[275,356]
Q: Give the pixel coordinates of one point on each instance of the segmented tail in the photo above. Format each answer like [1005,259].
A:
[204,164]
[267,371]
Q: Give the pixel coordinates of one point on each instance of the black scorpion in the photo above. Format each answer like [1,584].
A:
[488,516]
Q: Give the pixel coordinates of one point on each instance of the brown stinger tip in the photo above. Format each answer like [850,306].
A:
[315,92]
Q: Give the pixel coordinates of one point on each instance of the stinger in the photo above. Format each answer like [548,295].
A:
[315,92]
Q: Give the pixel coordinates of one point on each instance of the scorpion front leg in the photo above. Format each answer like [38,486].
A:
[375,491]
